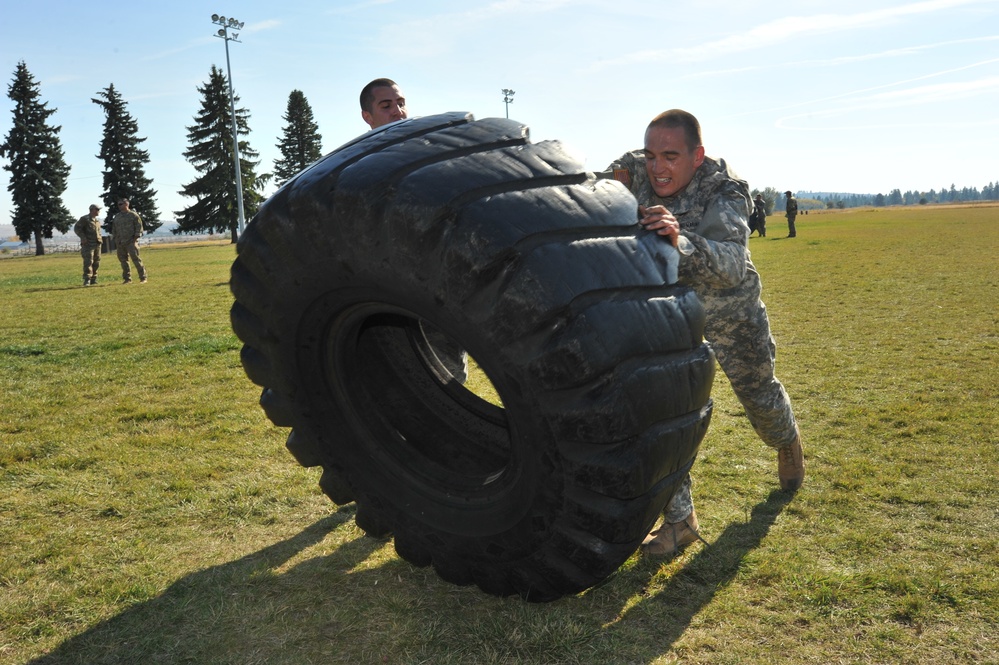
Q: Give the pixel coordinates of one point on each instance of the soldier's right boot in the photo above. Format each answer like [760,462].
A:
[791,465]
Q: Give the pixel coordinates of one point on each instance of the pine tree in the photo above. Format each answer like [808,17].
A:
[210,152]
[302,143]
[37,165]
[124,162]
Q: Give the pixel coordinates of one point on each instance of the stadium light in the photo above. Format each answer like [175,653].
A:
[508,99]
[223,33]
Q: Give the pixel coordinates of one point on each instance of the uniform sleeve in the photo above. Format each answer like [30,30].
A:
[716,255]
[624,169]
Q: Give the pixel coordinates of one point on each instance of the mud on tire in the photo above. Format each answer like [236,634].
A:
[533,266]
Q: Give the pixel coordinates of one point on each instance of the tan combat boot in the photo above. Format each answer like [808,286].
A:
[791,465]
[672,537]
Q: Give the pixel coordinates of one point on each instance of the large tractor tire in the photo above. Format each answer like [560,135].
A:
[444,225]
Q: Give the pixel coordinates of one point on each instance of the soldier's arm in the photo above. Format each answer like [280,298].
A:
[716,255]
[624,169]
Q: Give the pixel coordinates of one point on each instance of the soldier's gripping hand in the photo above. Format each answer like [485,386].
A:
[660,220]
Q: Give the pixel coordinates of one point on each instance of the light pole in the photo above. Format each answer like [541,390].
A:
[223,33]
[508,99]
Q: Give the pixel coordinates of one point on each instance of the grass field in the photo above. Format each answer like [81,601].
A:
[150,514]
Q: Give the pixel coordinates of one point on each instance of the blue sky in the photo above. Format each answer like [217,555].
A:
[842,96]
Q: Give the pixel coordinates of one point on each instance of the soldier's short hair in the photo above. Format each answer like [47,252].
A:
[788,193]
[679,118]
[368,96]
[123,199]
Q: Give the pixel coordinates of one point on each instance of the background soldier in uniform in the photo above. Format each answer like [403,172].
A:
[758,220]
[382,103]
[792,212]
[89,229]
[700,206]
[126,229]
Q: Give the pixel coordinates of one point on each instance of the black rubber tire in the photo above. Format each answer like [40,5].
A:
[531,264]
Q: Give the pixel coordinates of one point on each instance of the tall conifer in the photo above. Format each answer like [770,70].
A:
[37,165]
[210,152]
[124,162]
[302,144]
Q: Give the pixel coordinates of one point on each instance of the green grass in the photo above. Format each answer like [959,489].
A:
[149,512]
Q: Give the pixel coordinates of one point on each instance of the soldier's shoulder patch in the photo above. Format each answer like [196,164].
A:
[624,176]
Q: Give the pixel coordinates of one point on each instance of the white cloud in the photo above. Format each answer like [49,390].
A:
[782,30]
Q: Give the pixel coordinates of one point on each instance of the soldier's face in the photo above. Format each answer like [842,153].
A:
[389,106]
[669,161]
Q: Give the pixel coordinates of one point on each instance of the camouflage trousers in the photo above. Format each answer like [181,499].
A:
[126,250]
[747,353]
[91,260]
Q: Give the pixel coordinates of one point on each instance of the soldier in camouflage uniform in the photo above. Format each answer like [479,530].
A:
[700,206]
[126,229]
[89,229]
[383,103]
[791,210]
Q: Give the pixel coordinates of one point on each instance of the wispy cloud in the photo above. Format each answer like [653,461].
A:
[904,51]
[435,34]
[783,30]
[261,26]
[896,99]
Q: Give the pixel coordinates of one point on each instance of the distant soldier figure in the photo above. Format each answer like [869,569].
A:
[89,229]
[758,219]
[126,229]
[792,212]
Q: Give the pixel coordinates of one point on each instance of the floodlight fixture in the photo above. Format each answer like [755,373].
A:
[508,99]
[223,33]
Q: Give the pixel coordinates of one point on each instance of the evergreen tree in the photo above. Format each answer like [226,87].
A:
[37,165]
[302,144]
[210,152]
[124,162]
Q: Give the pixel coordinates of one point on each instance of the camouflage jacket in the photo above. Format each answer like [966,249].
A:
[791,207]
[713,212]
[126,226]
[89,230]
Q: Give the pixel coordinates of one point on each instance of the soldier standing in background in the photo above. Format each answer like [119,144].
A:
[88,228]
[701,207]
[383,103]
[792,212]
[126,229]
[758,220]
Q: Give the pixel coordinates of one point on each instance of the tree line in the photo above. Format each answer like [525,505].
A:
[39,173]
[896,197]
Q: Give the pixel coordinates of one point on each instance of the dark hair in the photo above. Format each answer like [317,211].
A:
[368,97]
[679,118]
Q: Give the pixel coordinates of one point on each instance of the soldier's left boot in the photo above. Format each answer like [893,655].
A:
[672,537]
[93,280]
[791,465]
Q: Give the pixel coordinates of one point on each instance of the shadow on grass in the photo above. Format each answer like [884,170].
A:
[710,570]
[176,625]
[250,611]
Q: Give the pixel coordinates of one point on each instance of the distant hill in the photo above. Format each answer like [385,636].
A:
[7,231]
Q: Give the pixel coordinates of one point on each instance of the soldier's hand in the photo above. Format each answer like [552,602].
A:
[660,220]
